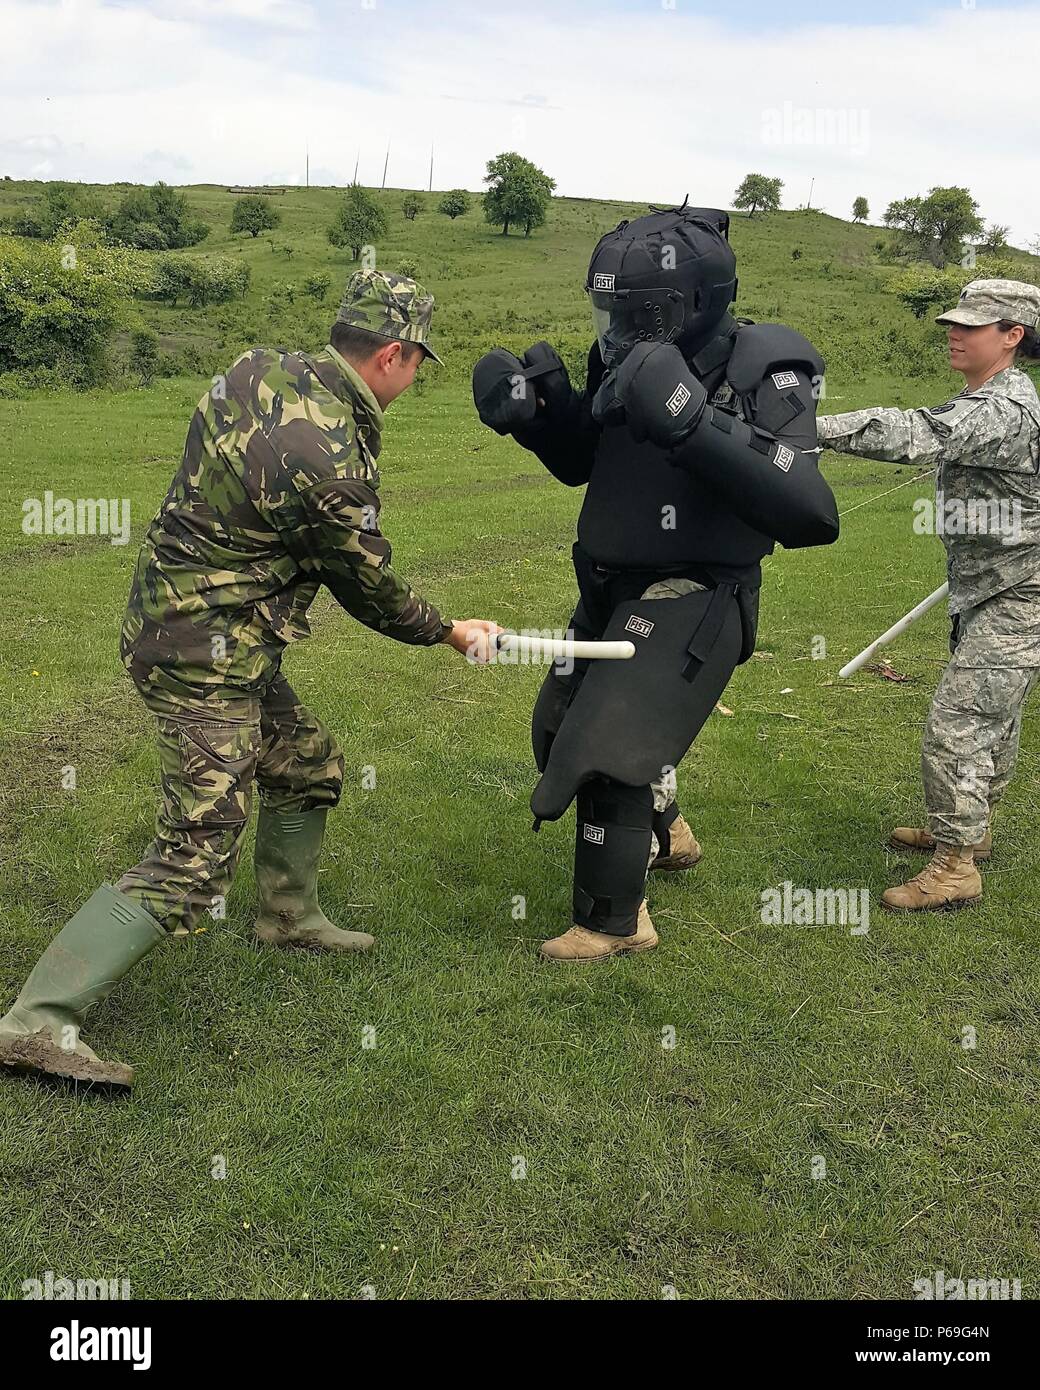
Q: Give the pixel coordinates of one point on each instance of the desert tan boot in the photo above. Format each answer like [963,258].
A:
[905,838]
[683,849]
[949,880]
[580,945]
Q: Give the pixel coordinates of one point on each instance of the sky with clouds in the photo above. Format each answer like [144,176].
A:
[631,99]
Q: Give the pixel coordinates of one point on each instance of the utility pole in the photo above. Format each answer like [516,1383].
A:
[356,163]
[308,167]
[431,167]
[386,163]
[809,203]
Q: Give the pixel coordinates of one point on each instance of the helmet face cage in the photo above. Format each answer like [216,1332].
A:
[626,317]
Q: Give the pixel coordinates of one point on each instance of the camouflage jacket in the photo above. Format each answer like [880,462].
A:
[986,448]
[275,496]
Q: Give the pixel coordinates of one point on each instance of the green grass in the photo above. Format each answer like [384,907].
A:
[392,1166]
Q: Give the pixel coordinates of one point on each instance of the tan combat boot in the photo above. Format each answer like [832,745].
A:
[905,838]
[683,849]
[580,945]
[949,880]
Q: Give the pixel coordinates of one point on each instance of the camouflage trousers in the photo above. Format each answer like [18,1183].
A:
[971,738]
[210,753]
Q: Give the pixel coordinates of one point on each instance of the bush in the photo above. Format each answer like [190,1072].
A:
[144,209]
[60,304]
[454,203]
[408,266]
[317,286]
[411,206]
[200,281]
[145,345]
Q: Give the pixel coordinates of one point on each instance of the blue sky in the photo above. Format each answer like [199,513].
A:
[635,99]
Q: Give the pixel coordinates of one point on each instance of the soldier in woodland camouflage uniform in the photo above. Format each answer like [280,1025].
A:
[986,447]
[276,495]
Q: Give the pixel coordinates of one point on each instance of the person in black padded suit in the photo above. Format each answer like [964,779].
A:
[695,437]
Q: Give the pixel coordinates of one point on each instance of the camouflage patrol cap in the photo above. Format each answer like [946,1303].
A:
[393,306]
[990,301]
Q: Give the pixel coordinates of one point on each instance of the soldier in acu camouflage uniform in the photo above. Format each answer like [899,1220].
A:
[275,496]
[986,447]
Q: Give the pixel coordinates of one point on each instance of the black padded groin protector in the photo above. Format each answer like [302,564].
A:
[631,719]
[611,850]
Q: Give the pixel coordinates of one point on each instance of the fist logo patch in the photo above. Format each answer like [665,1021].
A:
[784,457]
[781,380]
[677,399]
[594,834]
[603,282]
[642,627]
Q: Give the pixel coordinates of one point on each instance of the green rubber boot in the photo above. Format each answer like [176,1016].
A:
[288,846]
[83,964]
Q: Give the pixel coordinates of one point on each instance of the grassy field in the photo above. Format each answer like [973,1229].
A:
[395,1168]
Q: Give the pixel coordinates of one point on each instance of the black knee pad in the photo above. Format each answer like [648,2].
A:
[663,821]
[611,850]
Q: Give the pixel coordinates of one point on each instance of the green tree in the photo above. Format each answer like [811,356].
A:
[518,191]
[254,215]
[454,203]
[359,221]
[935,227]
[144,210]
[411,206]
[758,191]
[995,240]
[860,210]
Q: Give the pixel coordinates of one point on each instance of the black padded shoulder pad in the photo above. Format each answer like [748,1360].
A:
[762,348]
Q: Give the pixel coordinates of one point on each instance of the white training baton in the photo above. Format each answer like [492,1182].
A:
[564,648]
[901,626]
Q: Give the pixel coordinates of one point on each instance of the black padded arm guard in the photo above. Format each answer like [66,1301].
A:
[771,485]
[564,435]
[768,471]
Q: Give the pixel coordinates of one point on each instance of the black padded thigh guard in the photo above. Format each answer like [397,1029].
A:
[630,720]
[611,851]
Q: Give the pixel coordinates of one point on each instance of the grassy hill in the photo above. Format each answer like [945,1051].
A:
[814,271]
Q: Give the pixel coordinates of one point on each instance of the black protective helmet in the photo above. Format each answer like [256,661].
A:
[667,277]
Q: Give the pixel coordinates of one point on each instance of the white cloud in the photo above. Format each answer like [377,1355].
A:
[647,105]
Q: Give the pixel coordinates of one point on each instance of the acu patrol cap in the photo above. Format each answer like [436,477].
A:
[990,301]
[392,306]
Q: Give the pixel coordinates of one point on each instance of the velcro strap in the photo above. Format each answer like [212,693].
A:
[539,369]
[719,350]
[708,629]
[780,412]
[760,443]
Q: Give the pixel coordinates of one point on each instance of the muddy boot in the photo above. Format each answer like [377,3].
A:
[678,848]
[905,838]
[580,944]
[949,880]
[288,847]
[83,963]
